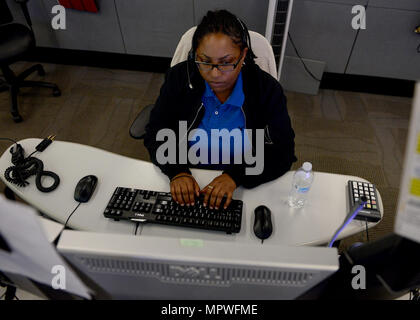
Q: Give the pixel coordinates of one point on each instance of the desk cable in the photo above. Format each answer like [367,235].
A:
[367,231]
[65,224]
[301,59]
[137,226]
[24,167]
[354,210]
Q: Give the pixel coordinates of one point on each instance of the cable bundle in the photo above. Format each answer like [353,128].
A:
[25,168]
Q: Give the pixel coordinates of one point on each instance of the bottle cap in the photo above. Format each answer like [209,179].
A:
[307,166]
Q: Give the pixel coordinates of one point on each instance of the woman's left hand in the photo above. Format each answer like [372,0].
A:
[215,190]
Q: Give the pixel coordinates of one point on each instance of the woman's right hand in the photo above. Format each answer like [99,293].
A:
[184,188]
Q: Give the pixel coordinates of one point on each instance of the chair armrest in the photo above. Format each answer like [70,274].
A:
[138,127]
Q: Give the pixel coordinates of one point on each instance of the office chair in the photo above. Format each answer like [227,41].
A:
[260,45]
[15,41]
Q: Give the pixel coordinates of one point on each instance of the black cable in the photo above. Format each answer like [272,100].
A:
[2,296]
[70,216]
[16,297]
[297,53]
[21,171]
[65,224]
[23,168]
[367,231]
[355,39]
[32,153]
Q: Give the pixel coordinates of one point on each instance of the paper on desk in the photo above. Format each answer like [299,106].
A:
[31,254]
[408,212]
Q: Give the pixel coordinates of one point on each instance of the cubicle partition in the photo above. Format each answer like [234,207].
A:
[137,27]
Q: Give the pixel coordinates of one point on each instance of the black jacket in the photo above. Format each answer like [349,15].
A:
[264,108]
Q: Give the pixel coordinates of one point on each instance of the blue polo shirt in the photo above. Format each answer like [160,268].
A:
[220,116]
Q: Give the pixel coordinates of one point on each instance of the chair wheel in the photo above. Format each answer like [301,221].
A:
[17,118]
[56,92]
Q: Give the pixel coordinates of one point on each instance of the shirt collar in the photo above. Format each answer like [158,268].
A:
[236,98]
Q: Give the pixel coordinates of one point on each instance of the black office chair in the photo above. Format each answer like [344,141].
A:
[15,41]
[138,128]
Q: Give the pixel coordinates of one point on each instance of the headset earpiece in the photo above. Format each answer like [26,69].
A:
[244,32]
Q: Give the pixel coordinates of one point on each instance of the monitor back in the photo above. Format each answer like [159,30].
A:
[133,267]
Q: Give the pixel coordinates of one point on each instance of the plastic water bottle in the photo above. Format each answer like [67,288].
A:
[302,181]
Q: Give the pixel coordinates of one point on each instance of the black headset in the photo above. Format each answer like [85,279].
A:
[245,39]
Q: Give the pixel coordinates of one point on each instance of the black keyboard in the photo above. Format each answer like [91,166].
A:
[158,207]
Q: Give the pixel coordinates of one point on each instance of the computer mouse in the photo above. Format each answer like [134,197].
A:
[262,222]
[85,188]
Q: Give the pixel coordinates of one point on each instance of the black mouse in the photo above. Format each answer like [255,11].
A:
[85,188]
[262,222]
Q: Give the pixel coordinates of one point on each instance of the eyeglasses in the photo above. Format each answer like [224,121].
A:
[224,67]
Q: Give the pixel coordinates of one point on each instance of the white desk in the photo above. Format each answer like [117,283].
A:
[314,224]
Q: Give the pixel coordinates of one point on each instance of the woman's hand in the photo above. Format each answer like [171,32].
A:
[184,188]
[219,187]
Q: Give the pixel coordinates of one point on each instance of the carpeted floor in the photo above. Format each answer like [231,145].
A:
[354,134]
[340,132]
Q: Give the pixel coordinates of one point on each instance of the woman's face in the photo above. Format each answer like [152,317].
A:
[219,48]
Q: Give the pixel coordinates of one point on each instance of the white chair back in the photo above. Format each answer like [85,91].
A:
[260,45]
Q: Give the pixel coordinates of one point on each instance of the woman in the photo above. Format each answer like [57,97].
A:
[221,87]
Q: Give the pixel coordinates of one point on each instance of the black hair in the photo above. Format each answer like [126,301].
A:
[222,21]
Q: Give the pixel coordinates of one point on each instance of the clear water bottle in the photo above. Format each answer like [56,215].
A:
[302,181]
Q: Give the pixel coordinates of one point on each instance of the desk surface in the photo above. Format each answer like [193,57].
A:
[314,224]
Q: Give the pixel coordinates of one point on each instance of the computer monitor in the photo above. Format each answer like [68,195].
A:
[136,267]
[407,223]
